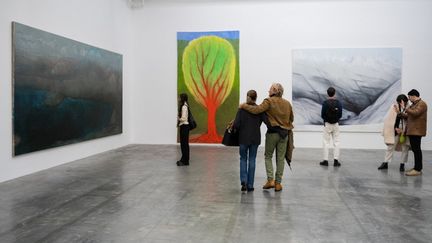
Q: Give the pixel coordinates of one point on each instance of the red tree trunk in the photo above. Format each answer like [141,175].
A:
[211,136]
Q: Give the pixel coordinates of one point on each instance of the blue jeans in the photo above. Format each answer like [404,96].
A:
[247,170]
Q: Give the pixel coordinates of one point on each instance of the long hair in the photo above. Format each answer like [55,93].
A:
[400,98]
[183,100]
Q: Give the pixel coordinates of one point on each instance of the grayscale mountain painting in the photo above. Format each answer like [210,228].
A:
[367,81]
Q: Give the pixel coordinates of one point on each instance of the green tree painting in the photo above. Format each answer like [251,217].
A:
[208,72]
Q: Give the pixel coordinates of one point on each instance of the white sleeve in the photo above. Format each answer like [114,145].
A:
[184,114]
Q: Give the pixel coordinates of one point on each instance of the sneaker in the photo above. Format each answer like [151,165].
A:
[250,189]
[243,187]
[402,167]
[324,162]
[410,169]
[336,163]
[278,187]
[413,173]
[269,184]
[383,166]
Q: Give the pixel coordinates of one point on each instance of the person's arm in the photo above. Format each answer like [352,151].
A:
[237,120]
[264,119]
[184,114]
[323,110]
[417,110]
[291,118]
[256,109]
[340,110]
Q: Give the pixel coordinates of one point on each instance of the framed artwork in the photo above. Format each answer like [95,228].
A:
[208,72]
[64,91]
[367,82]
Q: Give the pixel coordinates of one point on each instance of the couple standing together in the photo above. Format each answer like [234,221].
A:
[276,112]
[403,121]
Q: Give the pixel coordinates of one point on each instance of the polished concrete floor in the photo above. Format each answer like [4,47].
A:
[138,194]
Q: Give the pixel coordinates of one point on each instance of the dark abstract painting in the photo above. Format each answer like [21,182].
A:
[64,91]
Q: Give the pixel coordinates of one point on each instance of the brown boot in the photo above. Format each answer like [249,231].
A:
[278,187]
[269,184]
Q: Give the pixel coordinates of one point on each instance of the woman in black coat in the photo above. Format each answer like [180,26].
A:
[248,126]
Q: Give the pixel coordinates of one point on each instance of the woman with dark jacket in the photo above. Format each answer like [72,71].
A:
[248,127]
[183,124]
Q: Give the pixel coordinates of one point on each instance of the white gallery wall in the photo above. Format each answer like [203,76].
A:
[101,23]
[269,31]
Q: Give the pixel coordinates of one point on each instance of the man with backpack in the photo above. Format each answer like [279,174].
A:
[331,112]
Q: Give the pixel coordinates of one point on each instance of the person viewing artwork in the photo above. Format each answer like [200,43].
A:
[394,132]
[183,124]
[248,126]
[280,118]
[331,112]
[416,115]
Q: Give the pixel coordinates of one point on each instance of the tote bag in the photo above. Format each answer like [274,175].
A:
[231,137]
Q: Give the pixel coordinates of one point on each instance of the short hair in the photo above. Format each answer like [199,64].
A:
[402,97]
[252,94]
[331,91]
[277,89]
[414,92]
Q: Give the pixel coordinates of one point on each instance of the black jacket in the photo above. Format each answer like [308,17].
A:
[326,106]
[248,125]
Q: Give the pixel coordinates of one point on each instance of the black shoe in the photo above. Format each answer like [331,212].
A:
[402,167]
[243,188]
[181,163]
[324,162]
[250,189]
[383,166]
[336,163]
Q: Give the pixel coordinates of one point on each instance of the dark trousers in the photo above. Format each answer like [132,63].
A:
[184,143]
[415,142]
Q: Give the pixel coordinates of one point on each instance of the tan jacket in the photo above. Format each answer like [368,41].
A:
[389,123]
[278,110]
[389,129]
[417,118]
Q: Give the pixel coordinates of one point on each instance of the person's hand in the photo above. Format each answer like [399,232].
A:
[396,108]
[398,130]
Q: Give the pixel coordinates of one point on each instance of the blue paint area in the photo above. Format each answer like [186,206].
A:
[193,35]
[39,126]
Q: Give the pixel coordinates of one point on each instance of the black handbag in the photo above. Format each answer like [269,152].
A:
[231,137]
[191,120]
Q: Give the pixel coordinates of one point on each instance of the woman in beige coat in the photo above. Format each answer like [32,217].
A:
[394,128]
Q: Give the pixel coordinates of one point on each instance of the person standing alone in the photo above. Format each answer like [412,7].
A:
[183,124]
[331,113]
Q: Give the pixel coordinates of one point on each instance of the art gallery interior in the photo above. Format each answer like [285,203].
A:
[127,188]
